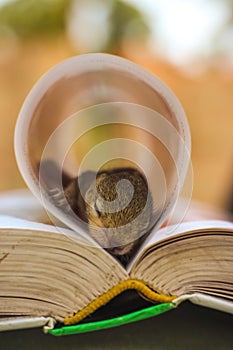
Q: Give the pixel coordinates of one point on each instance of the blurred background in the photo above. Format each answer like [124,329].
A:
[187,44]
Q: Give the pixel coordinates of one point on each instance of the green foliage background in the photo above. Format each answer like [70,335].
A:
[30,18]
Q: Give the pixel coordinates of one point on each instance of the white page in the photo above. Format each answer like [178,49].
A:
[19,209]
[20,203]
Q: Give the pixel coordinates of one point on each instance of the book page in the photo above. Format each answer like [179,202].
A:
[22,204]
[50,270]
[10,222]
[192,260]
[19,209]
[184,228]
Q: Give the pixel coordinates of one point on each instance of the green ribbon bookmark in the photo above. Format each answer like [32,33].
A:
[113,322]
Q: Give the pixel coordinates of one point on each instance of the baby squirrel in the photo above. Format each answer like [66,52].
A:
[130,215]
[126,211]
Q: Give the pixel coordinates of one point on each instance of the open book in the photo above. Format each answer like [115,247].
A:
[49,274]
[100,114]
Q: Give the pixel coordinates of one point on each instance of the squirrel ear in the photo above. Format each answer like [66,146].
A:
[102,175]
[98,206]
[85,180]
[97,211]
[51,174]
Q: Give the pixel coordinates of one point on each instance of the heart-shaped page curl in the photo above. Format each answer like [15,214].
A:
[105,146]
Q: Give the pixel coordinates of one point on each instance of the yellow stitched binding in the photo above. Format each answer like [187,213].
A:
[112,293]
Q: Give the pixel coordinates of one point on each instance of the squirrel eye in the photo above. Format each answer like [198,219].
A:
[97,210]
